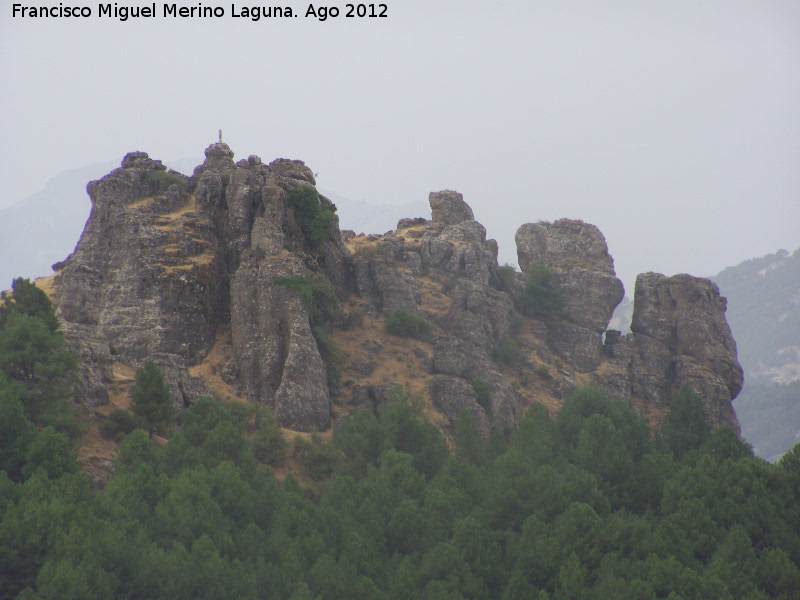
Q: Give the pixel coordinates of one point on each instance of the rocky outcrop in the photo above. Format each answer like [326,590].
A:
[169,267]
[164,260]
[680,336]
[448,208]
[458,359]
[274,346]
[577,254]
[146,280]
[452,395]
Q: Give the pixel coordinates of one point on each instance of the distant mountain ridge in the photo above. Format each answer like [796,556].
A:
[43,228]
[764,314]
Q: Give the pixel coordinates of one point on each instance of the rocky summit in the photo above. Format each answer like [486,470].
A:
[237,281]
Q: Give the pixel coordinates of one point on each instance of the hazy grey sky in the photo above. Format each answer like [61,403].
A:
[672,126]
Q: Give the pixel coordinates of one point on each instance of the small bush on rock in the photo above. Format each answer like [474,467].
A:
[118,424]
[541,296]
[404,323]
[317,216]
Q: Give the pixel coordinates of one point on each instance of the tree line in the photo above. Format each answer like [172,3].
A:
[581,505]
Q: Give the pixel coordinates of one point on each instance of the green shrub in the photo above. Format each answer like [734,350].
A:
[152,401]
[404,323]
[317,457]
[241,411]
[371,251]
[481,392]
[268,445]
[540,296]
[321,302]
[331,354]
[544,373]
[161,180]
[365,251]
[317,216]
[118,424]
[354,319]
[506,273]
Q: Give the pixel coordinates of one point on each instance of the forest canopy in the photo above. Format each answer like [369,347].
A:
[581,505]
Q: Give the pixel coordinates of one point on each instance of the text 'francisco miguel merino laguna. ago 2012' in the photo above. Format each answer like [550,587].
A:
[254,13]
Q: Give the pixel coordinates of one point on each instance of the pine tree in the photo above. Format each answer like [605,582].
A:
[152,402]
[29,300]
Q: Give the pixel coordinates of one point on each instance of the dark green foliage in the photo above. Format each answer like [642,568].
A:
[318,458]
[685,427]
[317,215]
[16,434]
[161,179]
[392,514]
[27,299]
[34,360]
[268,445]
[404,323]
[330,353]
[152,402]
[354,319]
[482,391]
[506,273]
[118,424]
[361,439]
[469,445]
[320,300]
[50,451]
[408,432]
[541,295]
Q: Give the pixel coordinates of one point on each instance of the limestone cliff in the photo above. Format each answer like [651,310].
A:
[215,277]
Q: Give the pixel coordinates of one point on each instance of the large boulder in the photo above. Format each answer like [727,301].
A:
[448,208]
[577,254]
[680,331]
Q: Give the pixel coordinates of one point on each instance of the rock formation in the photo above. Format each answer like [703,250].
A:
[232,286]
[577,254]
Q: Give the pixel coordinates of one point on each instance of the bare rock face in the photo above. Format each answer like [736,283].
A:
[680,336]
[531,240]
[146,280]
[448,208]
[165,260]
[452,395]
[458,359]
[478,314]
[577,254]
[275,348]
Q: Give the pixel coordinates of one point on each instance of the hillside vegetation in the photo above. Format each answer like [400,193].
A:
[587,504]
